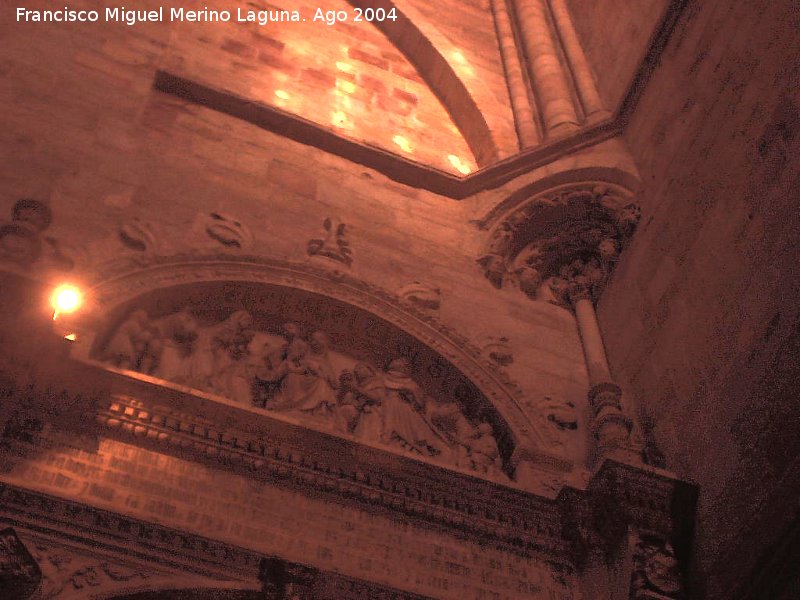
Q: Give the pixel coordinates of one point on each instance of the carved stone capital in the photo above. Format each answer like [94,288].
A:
[561,245]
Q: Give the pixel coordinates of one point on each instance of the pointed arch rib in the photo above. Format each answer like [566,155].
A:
[438,74]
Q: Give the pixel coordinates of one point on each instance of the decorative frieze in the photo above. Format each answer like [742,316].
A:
[454,500]
[303,376]
[468,358]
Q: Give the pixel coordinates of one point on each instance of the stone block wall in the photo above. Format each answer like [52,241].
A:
[85,133]
[615,35]
[712,359]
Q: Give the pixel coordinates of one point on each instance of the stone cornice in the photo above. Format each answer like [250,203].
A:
[260,447]
[264,448]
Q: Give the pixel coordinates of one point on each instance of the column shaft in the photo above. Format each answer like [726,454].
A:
[593,349]
[524,117]
[581,70]
[548,76]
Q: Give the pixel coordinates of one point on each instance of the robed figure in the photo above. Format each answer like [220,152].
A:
[406,422]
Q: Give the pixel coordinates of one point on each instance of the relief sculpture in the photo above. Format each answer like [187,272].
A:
[301,376]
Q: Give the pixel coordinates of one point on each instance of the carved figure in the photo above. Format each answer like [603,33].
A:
[233,364]
[347,409]
[129,344]
[361,397]
[307,378]
[23,241]
[172,346]
[267,380]
[456,429]
[483,450]
[406,422]
[285,380]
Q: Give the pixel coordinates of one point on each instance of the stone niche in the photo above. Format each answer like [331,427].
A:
[314,361]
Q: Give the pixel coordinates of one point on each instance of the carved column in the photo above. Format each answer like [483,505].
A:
[581,70]
[561,247]
[576,288]
[524,117]
[548,75]
[593,348]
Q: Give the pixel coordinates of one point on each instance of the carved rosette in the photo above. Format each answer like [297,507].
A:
[562,245]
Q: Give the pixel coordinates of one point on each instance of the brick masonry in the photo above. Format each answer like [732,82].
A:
[254,515]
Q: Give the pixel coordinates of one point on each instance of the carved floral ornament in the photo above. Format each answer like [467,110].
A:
[561,245]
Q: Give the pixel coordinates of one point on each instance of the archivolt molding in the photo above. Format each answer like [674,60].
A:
[44,567]
[428,51]
[116,290]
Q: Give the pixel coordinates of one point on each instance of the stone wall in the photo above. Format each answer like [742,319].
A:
[615,36]
[269,519]
[701,320]
[86,134]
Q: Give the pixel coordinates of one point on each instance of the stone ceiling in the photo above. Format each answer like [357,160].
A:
[354,79]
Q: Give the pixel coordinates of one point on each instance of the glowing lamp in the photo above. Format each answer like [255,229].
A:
[65,299]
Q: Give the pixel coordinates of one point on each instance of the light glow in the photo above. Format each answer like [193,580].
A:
[345,67]
[345,86]
[66,298]
[283,95]
[404,144]
[339,119]
[462,167]
[71,337]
